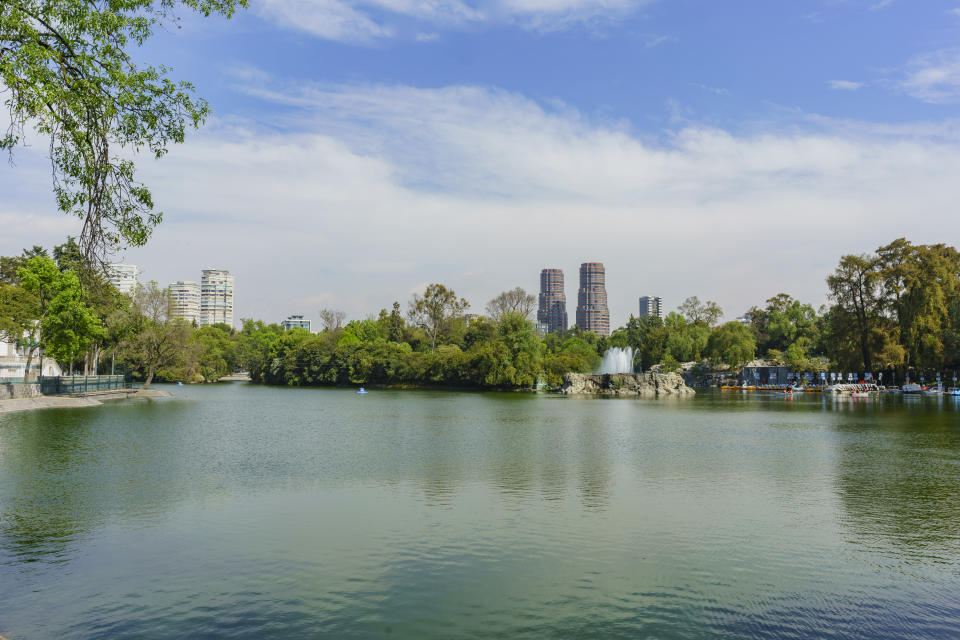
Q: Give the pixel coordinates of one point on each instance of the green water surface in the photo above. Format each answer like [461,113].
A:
[241,511]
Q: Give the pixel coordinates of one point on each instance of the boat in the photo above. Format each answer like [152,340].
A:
[361,390]
[932,391]
[797,389]
[911,387]
[952,391]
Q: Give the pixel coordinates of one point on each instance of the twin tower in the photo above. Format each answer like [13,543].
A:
[592,312]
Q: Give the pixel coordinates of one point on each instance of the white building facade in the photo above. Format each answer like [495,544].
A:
[295,321]
[123,277]
[13,362]
[185,301]
[216,298]
[651,306]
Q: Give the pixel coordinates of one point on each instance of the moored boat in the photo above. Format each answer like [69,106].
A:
[911,387]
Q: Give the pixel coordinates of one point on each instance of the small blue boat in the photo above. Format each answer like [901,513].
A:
[361,390]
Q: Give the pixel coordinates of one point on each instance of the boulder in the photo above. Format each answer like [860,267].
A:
[625,384]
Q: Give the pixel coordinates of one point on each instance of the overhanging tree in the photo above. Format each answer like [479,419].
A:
[67,72]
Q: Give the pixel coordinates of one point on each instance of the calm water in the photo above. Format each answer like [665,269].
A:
[237,511]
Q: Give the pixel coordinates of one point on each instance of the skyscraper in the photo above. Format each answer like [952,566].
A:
[651,306]
[592,312]
[123,277]
[185,301]
[552,310]
[216,297]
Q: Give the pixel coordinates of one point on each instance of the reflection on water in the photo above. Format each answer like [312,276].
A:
[243,510]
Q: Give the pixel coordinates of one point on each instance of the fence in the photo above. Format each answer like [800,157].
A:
[50,386]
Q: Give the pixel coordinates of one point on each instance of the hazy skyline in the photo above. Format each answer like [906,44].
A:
[359,151]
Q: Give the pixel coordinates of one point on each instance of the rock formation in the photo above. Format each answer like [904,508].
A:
[625,384]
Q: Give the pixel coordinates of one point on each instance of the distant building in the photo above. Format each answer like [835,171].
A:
[744,319]
[541,328]
[123,277]
[185,301]
[592,312]
[295,321]
[651,306]
[216,298]
[552,308]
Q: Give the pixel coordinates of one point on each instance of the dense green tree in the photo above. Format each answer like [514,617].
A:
[396,323]
[155,339]
[217,354]
[854,288]
[436,310]
[733,344]
[919,284]
[787,321]
[479,330]
[47,310]
[69,71]
[71,326]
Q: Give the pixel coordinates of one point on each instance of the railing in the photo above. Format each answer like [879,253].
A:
[57,385]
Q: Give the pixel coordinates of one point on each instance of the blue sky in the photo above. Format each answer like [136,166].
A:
[729,150]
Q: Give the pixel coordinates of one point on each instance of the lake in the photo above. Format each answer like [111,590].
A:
[242,511]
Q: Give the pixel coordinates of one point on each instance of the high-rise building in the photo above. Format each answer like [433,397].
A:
[295,321]
[123,277]
[552,309]
[216,297]
[185,301]
[651,306]
[592,312]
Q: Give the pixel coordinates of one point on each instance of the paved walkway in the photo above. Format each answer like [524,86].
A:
[91,399]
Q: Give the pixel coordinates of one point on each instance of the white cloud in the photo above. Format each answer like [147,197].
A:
[365,20]
[845,85]
[382,189]
[933,77]
[881,4]
[330,19]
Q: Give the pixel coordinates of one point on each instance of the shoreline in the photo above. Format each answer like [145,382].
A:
[94,399]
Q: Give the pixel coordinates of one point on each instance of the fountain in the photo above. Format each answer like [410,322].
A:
[617,360]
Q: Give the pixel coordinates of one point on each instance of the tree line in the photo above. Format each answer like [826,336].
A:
[896,309]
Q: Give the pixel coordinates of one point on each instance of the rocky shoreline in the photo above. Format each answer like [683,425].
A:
[625,384]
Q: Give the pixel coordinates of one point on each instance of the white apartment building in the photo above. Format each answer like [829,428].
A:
[123,277]
[651,306]
[185,301]
[216,297]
